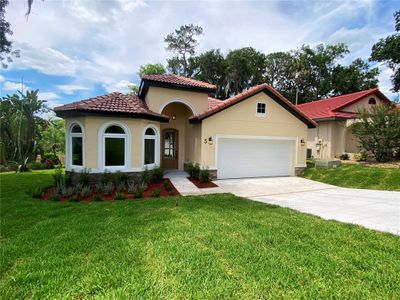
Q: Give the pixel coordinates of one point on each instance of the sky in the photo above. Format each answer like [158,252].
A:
[76,49]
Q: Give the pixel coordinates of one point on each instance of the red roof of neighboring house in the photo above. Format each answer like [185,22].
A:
[111,103]
[331,107]
[179,80]
[216,105]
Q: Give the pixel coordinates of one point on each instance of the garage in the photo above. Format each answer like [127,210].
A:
[254,157]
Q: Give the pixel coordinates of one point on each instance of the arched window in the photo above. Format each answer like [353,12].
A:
[151,146]
[372,101]
[76,145]
[115,142]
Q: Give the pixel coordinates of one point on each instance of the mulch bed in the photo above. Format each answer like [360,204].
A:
[202,185]
[147,194]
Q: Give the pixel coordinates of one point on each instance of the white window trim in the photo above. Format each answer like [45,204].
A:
[68,149]
[263,115]
[101,146]
[157,145]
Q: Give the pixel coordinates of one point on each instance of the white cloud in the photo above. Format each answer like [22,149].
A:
[2,78]
[70,89]
[117,86]
[52,99]
[11,86]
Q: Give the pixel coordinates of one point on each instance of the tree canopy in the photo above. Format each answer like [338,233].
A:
[387,51]
[6,52]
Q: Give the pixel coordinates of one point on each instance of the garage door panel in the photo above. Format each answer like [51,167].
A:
[254,157]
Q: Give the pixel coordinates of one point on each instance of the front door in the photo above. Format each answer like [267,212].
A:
[170,151]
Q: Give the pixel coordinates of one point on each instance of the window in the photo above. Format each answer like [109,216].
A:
[169,147]
[114,146]
[372,101]
[76,145]
[261,108]
[150,146]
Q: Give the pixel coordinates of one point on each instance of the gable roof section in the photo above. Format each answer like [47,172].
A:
[330,108]
[215,106]
[110,104]
[174,81]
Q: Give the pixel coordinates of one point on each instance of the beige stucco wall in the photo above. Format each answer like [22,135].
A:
[156,99]
[241,119]
[93,124]
[363,103]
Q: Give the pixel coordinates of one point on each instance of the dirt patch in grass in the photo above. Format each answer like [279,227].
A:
[202,185]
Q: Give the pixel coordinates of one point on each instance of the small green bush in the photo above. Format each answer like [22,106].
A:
[360,156]
[58,177]
[59,188]
[73,199]
[131,187]
[119,196]
[97,198]
[84,178]
[120,178]
[156,193]
[69,178]
[85,191]
[99,187]
[167,186]
[193,170]
[54,198]
[108,188]
[36,166]
[156,174]
[105,177]
[67,191]
[344,156]
[121,187]
[204,175]
[140,189]
[145,176]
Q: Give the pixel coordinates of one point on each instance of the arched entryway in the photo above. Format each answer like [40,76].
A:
[176,137]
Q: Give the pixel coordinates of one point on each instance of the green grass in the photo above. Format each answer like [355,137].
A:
[210,247]
[356,176]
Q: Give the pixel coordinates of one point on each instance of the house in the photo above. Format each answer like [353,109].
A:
[174,120]
[333,137]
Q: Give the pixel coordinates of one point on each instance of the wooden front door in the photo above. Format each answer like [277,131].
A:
[170,149]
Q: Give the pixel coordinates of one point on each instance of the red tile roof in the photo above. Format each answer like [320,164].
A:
[111,103]
[179,80]
[216,105]
[330,108]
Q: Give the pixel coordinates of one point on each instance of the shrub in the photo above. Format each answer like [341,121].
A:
[67,191]
[194,170]
[49,156]
[85,191]
[108,188]
[139,189]
[344,156]
[105,177]
[59,188]
[69,178]
[55,198]
[167,186]
[99,187]
[73,199]
[131,187]
[121,178]
[204,175]
[121,187]
[84,178]
[35,192]
[97,198]
[58,177]
[157,174]
[156,193]
[36,166]
[49,164]
[360,156]
[119,196]
[145,176]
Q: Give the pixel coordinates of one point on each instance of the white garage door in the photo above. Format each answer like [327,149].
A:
[238,157]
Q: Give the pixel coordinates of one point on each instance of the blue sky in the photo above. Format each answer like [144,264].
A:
[75,49]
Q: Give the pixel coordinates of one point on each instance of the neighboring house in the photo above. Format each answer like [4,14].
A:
[333,137]
[173,120]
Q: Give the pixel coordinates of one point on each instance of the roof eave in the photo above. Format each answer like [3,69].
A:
[82,112]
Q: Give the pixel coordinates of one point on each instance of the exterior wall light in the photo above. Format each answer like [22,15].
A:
[302,142]
[210,140]
[173,117]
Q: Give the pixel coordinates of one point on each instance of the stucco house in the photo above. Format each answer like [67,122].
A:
[333,137]
[173,120]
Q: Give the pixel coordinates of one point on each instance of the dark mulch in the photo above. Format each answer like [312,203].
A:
[202,185]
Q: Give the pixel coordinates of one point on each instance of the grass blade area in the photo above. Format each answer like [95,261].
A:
[356,176]
[210,247]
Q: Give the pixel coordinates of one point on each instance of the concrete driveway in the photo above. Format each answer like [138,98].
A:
[379,210]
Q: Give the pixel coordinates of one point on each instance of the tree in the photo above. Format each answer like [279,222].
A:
[150,69]
[183,42]
[353,78]
[387,51]
[378,131]
[50,137]
[6,52]
[244,69]
[19,113]
[210,67]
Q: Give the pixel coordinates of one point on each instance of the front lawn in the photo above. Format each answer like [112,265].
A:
[209,247]
[356,176]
